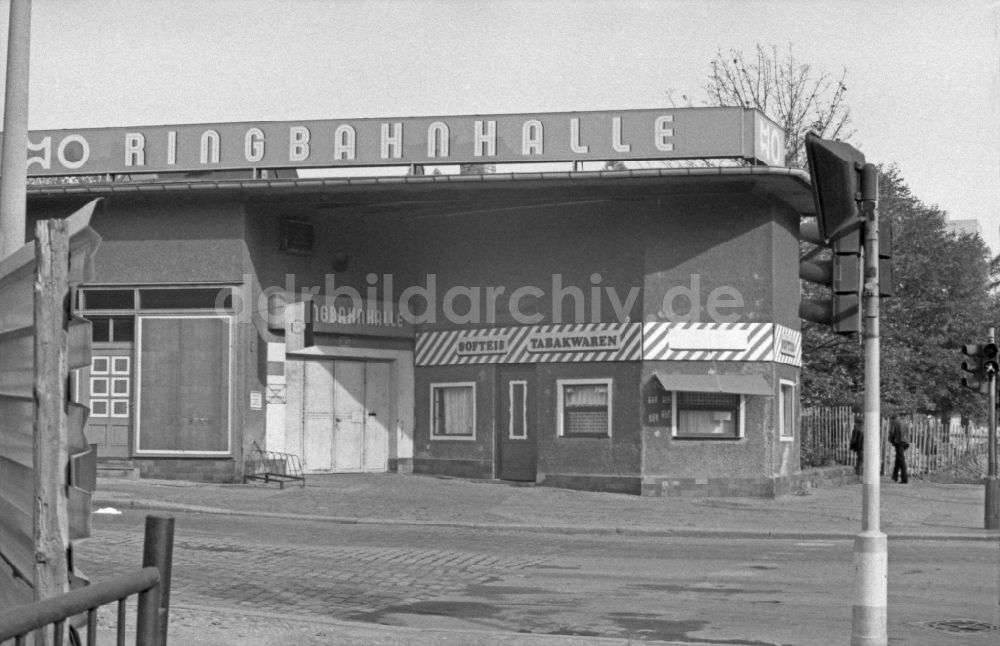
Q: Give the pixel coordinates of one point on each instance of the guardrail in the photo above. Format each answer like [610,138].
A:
[151,584]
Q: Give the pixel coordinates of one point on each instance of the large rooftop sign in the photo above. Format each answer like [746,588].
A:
[685,133]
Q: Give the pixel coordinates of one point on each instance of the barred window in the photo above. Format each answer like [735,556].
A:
[585,408]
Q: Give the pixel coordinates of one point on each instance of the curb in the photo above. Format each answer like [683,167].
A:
[599,530]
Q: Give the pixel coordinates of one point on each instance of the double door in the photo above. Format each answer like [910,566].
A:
[346,416]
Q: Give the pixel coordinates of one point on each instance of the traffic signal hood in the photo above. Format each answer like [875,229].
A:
[834,168]
[837,180]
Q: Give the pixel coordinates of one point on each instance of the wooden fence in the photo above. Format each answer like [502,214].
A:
[47,468]
[826,433]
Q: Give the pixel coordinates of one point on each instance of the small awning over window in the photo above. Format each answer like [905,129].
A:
[735,384]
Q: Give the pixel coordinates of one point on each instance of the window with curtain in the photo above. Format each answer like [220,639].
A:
[585,408]
[708,415]
[453,411]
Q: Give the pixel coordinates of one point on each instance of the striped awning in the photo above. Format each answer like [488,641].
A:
[734,384]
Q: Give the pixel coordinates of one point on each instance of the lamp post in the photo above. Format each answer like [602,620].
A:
[14,161]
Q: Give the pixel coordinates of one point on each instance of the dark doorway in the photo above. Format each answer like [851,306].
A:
[517,448]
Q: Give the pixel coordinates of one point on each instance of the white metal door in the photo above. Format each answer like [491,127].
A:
[345,416]
[349,404]
[376,453]
[318,416]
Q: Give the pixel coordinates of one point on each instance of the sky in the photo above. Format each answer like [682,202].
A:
[923,76]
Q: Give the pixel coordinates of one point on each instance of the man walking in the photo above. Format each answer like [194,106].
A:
[858,443]
[899,437]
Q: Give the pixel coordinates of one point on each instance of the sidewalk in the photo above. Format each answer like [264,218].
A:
[918,510]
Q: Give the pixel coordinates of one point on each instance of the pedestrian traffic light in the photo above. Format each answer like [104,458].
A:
[974,365]
[834,171]
[989,360]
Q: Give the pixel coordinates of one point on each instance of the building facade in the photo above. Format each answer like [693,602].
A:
[633,331]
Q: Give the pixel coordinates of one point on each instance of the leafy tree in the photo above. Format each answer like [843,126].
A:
[941,300]
[942,280]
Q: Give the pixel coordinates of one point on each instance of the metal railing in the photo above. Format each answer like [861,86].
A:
[151,584]
[19,622]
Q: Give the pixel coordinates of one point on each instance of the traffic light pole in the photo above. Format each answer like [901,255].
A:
[991,516]
[869,613]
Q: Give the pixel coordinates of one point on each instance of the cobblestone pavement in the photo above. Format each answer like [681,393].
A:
[330,581]
[275,581]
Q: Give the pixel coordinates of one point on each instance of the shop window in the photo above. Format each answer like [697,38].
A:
[453,411]
[116,329]
[185,299]
[100,327]
[182,388]
[786,406]
[108,299]
[155,298]
[123,329]
[584,407]
[709,415]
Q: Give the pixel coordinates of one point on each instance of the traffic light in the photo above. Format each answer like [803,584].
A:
[974,364]
[839,272]
[989,360]
[834,170]
[835,173]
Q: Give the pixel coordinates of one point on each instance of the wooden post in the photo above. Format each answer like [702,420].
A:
[49,509]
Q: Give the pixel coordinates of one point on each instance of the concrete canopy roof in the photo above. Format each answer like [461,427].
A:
[787,185]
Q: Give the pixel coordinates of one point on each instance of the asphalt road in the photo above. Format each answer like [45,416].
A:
[752,592]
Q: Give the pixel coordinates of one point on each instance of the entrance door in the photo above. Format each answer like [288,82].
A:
[317,418]
[517,448]
[106,387]
[349,413]
[345,421]
[376,449]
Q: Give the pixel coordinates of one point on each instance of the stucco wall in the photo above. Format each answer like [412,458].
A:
[618,455]
[461,457]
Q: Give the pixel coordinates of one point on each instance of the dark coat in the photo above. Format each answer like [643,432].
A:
[857,440]
[899,433]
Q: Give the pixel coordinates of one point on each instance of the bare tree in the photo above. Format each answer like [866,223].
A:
[788,92]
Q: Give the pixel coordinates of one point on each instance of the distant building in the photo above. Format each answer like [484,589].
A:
[970,227]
